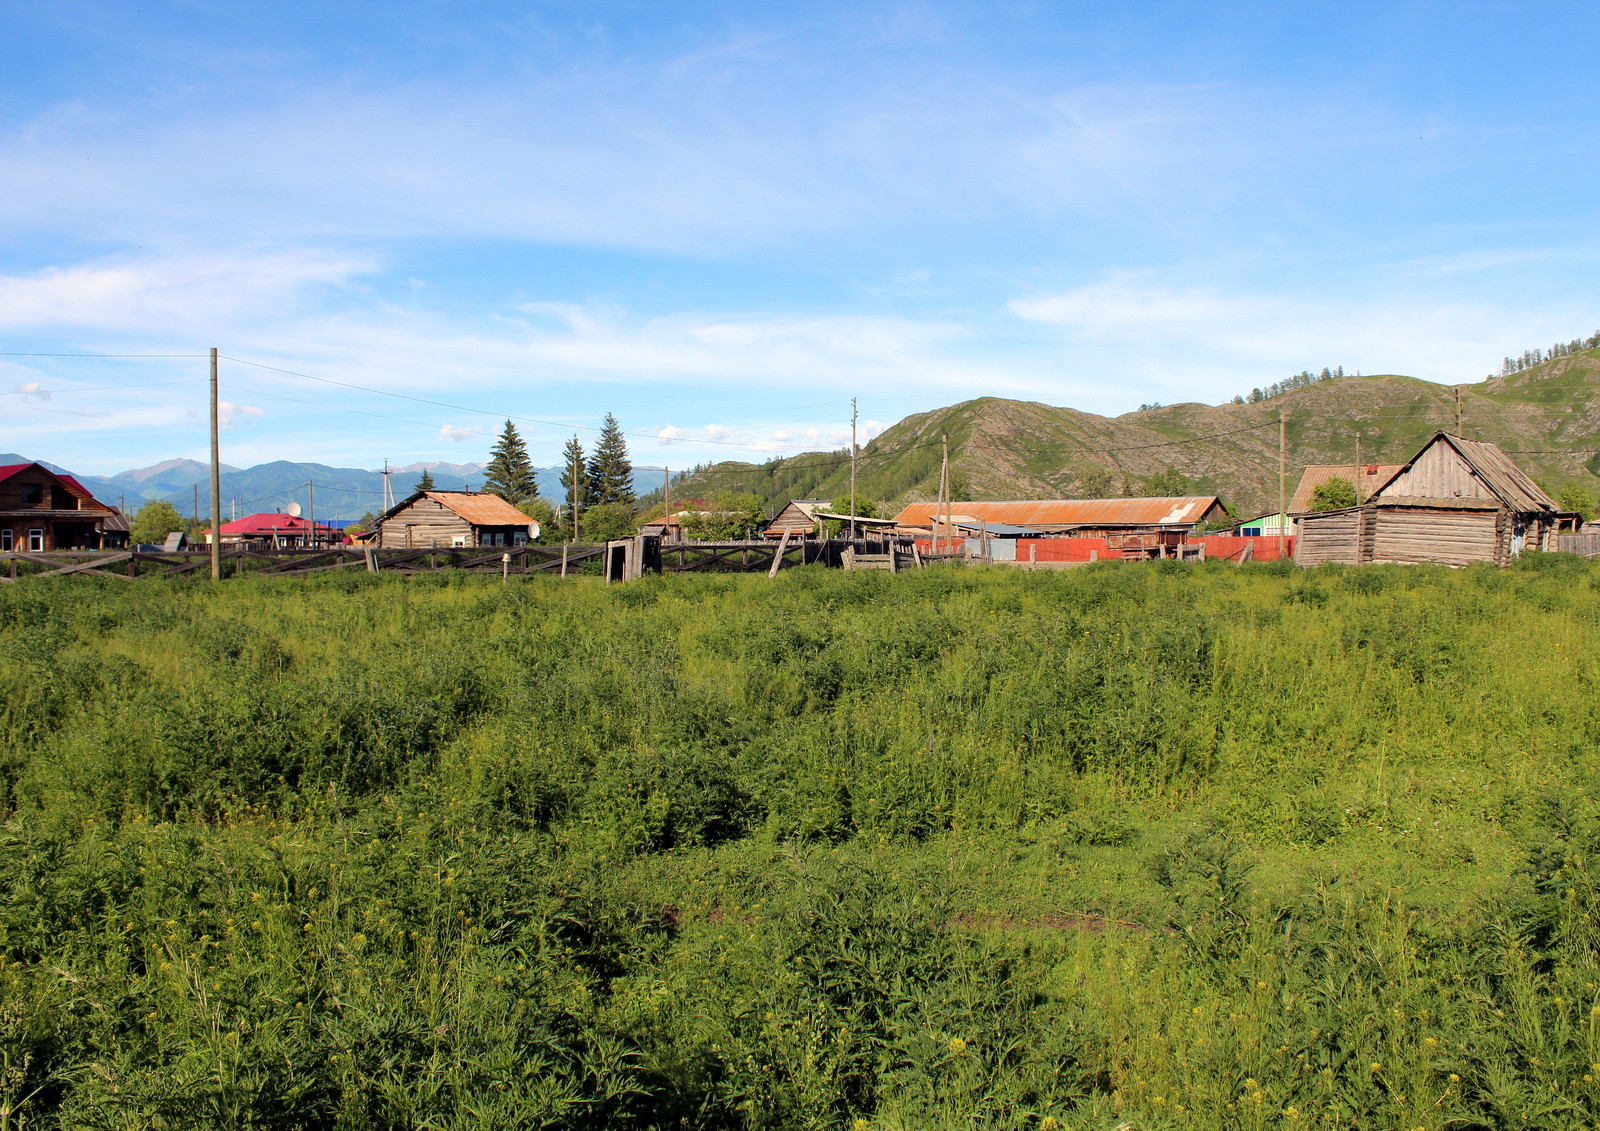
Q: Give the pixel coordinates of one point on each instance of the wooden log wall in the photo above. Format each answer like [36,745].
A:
[1450,537]
[425,523]
[1335,536]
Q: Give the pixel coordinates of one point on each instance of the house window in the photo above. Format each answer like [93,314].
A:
[32,494]
[6,540]
[36,539]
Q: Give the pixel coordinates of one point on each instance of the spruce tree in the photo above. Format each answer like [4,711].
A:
[610,472]
[574,479]
[510,472]
[426,482]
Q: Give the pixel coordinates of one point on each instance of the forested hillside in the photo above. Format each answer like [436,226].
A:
[1002,449]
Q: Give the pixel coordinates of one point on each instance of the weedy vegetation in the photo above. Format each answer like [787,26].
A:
[1145,847]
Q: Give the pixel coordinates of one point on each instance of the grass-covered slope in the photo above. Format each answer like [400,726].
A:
[1170,846]
[1004,449]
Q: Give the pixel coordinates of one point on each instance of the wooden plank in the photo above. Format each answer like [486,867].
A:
[777,558]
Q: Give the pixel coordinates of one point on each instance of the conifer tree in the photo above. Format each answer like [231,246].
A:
[574,477]
[426,482]
[610,472]
[510,472]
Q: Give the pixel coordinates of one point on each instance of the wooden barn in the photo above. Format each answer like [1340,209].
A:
[428,519]
[1456,502]
[42,510]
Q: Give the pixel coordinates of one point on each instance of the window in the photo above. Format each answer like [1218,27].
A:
[32,494]
[36,539]
[6,537]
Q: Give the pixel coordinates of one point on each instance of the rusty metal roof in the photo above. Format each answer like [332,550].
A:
[1373,476]
[1178,511]
[478,509]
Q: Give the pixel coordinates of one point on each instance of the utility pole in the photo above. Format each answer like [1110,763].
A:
[666,500]
[944,490]
[576,472]
[388,491]
[216,478]
[1458,413]
[1360,471]
[194,511]
[311,513]
[852,469]
[1283,487]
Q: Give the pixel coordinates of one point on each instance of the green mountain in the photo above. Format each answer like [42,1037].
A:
[1547,417]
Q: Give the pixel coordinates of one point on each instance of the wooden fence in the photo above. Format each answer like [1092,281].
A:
[238,562]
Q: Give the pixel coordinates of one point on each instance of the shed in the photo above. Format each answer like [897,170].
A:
[427,519]
[799,519]
[1455,502]
[43,510]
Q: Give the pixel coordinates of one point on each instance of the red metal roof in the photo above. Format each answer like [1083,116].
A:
[266,523]
[1178,510]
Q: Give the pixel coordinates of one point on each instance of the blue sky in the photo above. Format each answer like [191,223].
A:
[722,221]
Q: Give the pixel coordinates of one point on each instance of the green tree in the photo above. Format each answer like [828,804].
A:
[1170,483]
[154,521]
[1575,498]
[605,521]
[544,514]
[426,482]
[1096,484]
[1334,495]
[610,472]
[727,518]
[510,472]
[574,480]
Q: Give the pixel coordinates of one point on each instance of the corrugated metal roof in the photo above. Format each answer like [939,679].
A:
[480,509]
[1177,510]
[1373,476]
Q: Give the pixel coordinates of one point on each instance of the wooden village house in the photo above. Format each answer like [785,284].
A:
[42,510]
[429,519]
[1457,501]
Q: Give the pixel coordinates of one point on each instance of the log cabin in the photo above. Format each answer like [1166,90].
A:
[1457,501]
[441,519]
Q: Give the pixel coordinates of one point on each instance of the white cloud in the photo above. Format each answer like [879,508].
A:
[1202,342]
[459,435]
[34,389]
[228,412]
[170,294]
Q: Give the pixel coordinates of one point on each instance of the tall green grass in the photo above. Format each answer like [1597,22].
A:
[1143,846]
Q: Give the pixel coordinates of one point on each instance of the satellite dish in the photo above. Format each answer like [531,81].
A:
[294,510]
[533,529]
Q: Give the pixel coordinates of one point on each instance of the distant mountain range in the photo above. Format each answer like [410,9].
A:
[336,492]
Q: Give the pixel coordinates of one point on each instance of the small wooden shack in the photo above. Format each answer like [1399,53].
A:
[1457,501]
[437,519]
[799,519]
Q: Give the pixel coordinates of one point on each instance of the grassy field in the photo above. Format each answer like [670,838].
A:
[1126,846]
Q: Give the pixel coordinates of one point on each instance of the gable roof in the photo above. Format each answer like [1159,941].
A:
[479,509]
[68,481]
[1496,470]
[1176,510]
[1372,477]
